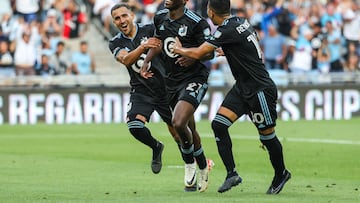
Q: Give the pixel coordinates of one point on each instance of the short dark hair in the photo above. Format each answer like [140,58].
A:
[220,7]
[116,6]
[61,43]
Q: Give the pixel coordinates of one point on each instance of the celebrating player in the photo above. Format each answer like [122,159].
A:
[254,92]
[129,47]
[186,80]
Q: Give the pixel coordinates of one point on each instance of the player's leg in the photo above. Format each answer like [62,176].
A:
[230,110]
[182,113]
[138,114]
[199,157]
[263,114]
[189,99]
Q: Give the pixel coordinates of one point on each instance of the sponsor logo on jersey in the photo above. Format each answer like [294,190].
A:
[168,47]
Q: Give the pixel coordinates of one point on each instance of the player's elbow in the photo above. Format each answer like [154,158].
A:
[196,56]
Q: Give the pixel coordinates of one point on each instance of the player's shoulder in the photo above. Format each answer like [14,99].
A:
[231,21]
[240,24]
[162,13]
[115,38]
[147,26]
[193,15]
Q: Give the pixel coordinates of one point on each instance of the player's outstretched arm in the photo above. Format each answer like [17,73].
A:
[129,58]
[195,52]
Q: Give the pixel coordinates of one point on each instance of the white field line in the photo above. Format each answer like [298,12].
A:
[308,140]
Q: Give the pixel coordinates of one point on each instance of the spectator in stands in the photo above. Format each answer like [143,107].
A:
[352,63]
[51,28]
[45,6]
[59,5]
[147,2]
[5,7]
[45,68]
[217,76]
[50,25]
[82,62]
[323,57]
[255,13]
[270,14]
[60,59]
[331,15]
[28,9]
[7,24]
[335,46]
[274,47]
[351,28]
[25,53]
[75,24]
[149,13]
[44,49]
[291,47]
[103,8]
[302,57]
[6,60]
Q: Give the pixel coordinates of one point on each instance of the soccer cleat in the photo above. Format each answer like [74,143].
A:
[191,188]
[278,183]
[230,182]
[156,162]
[190,175]
[204,179]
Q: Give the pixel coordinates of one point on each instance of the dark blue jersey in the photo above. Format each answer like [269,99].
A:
[192,30]
[240,44]
[154,85]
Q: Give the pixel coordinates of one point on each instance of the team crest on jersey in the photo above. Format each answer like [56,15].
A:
[162,27]
[182,30]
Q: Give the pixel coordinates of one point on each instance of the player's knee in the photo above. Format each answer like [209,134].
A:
[267,131]
[218,127]
[135,126]
[178,125]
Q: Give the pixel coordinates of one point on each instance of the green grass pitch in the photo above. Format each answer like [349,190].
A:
[104,163]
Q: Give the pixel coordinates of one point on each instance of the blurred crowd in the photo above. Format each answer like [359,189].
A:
[297,36]
[43,37]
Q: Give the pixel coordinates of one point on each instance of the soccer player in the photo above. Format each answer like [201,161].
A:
[129,47]
[254,92]
[186,80]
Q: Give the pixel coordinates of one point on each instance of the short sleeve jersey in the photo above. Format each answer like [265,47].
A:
[192,30]
[154,85]
[240,44]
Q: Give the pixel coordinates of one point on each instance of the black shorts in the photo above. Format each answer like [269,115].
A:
[192,91]
[261,107]
[145,105]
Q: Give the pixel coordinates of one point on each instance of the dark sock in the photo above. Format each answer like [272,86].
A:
[274,148]
[182,154]
[220,126]
[231,174]
[187,154]
[200,158]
